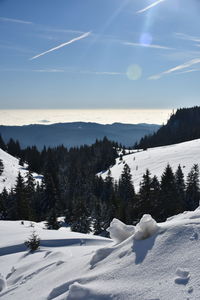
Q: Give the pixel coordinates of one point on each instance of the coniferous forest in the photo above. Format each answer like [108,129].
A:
[182,126]
[71,188]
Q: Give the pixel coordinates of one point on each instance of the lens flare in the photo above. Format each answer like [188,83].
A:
[146,39]
[134,72]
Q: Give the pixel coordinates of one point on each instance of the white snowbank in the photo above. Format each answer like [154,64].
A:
[145,228]
[120,231]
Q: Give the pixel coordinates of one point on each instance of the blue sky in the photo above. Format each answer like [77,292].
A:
[103,53]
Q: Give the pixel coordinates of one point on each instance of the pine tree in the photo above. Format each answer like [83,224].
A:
[3,204]
[155,199]
[2,144]
[81,221]
[192,188]
[33,242]
[126,194]
[1,167]
[30,195]
[52,222]
[145,193]
[22,204]
[169,194]
[180,186]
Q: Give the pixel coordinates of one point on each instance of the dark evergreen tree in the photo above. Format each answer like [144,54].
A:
[192,188]
[169,194]
[52,222]
[4,204]
[145,193]
[22,205]
[81,221]
[33,242]
[2,144]
[180,186]
[30,195]
[126,194]
[1,167]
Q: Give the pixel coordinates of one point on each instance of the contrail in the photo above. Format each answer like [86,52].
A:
[62,45]
[150,6]
[177,68]
[14,20]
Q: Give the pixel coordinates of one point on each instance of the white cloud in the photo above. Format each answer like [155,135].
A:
[147,46]
[62,45]
[14,21]
[177,68]
[150,6]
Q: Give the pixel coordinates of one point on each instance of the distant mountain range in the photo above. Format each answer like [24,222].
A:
[76,133]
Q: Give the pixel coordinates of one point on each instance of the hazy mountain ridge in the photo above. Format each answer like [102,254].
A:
[76,133]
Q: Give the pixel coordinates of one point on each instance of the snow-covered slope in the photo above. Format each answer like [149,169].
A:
[156,159]
[11,170]
[73,266]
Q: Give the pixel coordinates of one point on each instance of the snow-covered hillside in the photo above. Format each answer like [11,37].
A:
[73,266]
[11,170]
[156,159]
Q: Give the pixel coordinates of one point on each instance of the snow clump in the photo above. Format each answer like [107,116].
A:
[145,228]
[120,231]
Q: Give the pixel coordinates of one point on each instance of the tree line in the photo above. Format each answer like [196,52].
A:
[183,125]
[90,203]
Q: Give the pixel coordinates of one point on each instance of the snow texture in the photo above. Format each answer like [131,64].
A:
[2,283]
[162,264]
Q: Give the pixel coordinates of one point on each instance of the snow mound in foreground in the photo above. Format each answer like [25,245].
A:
[119,231]
[157,261]
[145,228]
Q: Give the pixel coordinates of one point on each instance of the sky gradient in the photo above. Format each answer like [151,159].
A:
[99,54]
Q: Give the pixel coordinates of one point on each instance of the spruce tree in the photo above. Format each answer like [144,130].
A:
[126,194]
[80,221]
[3,204]
[30,195]
[1,167]
[180,186]
[52,222]
[192,188]
[169,194]
[2,144]
[22,204]
[145,193]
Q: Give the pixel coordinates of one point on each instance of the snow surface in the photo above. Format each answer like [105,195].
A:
[156,159]
[11,170]
[68,265]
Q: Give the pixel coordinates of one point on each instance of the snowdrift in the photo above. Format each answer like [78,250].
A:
[147,262]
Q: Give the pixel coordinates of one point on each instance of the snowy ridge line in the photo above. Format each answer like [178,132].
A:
[11,170]
[156,159]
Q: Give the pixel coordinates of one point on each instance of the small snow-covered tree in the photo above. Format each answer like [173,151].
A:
[33,242]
